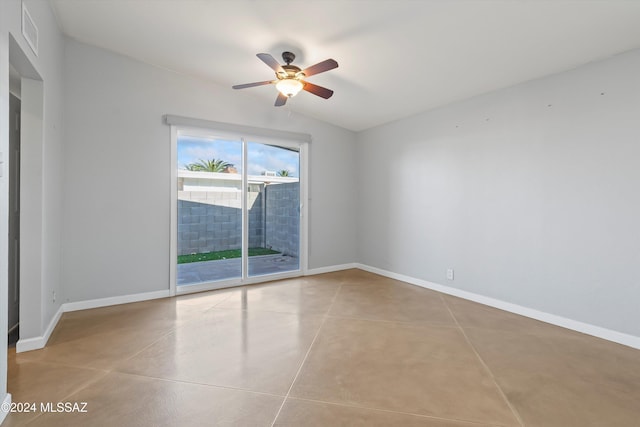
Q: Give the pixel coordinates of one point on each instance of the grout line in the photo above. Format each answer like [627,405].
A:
[67,398]
[101,374]
[368,408]
[324,319]
[162,336]
[417,324]
[165,334]
[253,310]
[62,365]
[482,362]
[231,293]
[171,380]
[79,389]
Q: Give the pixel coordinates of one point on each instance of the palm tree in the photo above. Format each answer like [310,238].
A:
[213,165]
[284,172]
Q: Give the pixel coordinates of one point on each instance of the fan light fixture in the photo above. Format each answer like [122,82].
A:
[289,87]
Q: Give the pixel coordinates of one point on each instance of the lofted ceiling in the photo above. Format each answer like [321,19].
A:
[397,58]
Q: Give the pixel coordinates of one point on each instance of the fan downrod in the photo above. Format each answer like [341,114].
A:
[288,57]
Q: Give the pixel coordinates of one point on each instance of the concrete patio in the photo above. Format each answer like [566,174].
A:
[211,271]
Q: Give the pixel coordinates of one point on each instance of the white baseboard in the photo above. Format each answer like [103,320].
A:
[123,299]
[330,269]
[585,328]
[6,403]
[39,342]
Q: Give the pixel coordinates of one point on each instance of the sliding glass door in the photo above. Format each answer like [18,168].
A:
[274,208]
[209,210]
[238,211]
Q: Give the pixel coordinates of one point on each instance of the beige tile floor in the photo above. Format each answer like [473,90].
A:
[340,349]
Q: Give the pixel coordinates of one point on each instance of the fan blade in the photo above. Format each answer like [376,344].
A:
[271,62]
[246,85]
[320,67]
[281,100]
[322,92]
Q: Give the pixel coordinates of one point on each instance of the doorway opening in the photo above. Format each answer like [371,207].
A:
[14,207]
[25,199]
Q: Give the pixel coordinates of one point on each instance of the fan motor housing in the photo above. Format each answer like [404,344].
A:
[288,57]
[291,71]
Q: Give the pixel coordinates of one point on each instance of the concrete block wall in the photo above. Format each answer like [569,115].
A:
[282,229]
[210,221]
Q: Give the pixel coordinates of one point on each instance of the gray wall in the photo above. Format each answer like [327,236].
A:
[283,217]
[113,124]
[530,193]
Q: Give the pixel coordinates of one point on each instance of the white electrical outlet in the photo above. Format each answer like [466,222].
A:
[449,273]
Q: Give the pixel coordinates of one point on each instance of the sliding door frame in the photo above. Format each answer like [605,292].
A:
[244,137]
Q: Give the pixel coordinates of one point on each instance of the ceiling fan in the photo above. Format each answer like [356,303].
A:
[290,78]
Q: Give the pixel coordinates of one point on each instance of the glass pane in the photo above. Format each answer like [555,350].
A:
[209,210]
[273,202]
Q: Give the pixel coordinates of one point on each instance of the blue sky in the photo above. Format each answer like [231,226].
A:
[260,157]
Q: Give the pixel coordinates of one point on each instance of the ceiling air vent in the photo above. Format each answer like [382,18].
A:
[29,29]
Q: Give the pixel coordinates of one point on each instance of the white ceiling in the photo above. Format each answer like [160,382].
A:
[397,58]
